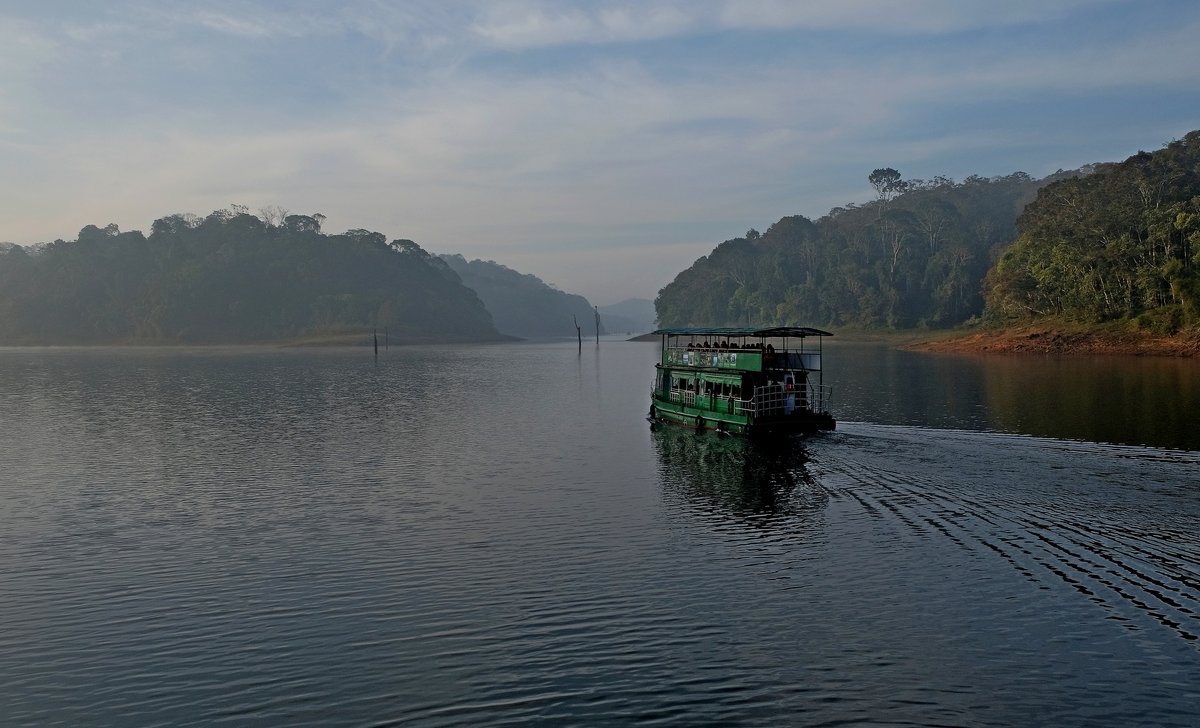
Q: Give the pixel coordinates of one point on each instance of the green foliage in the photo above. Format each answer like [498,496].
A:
[522,304]
[1119,243]
[229,277]
[914,257]
[887,182]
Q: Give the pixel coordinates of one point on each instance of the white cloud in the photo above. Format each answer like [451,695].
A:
[531,25]
[250,21]
[24,49]
[889,17]
[241,26]
[574,149]
[95,33]
[1166,57]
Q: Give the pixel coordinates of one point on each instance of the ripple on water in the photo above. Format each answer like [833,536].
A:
[305,539]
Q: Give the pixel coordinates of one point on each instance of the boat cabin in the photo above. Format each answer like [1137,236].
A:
[742,380]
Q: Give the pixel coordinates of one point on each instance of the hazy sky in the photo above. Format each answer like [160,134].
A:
[601,146]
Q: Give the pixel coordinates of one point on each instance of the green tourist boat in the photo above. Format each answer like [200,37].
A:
[744,381]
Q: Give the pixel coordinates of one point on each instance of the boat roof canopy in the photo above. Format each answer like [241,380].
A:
[774,331]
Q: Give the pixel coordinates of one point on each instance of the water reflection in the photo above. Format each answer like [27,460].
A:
[282,536]
[764,482]
[1111,399]
[1140,401]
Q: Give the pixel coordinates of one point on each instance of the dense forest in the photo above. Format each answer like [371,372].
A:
[1121,243]
[522,304]
[915,256]
[231,277]
[1108,242]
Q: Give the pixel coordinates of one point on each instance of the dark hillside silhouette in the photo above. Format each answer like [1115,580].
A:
[230,277]
[522,304]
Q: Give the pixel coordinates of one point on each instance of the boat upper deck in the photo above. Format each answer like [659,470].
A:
[742,349]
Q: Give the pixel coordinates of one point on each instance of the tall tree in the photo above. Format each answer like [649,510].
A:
[887,183]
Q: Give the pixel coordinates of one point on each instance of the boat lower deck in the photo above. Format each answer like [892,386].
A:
[798,420]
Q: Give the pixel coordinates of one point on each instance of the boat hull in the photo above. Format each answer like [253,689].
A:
[799,421]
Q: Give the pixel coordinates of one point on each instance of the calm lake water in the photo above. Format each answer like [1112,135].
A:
[493,535]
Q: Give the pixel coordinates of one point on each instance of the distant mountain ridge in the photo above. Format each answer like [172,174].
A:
[521,304]
[633,315]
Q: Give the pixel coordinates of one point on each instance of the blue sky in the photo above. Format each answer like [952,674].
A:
[602,146]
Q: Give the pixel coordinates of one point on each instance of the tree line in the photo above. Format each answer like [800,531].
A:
[914,256]
[230,277]
[1107,242]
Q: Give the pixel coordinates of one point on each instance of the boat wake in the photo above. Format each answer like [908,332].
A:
[1114,525]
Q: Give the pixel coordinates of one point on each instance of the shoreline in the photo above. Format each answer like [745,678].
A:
[1053,338]
[1047,338]
[357,341]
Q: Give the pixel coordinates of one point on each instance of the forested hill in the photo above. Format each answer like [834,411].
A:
[631,315]
[522,304]
[230,277]
[916,256]
[1122,243]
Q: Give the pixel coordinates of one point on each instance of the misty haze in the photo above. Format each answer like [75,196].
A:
[600,363]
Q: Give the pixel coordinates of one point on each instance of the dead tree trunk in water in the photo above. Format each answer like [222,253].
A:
[578,332]
[597,310]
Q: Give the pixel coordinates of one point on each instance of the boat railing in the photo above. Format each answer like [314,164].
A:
[717,402]
[774,399]
[685,397]
[792,361]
